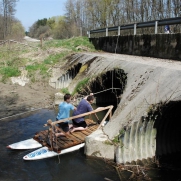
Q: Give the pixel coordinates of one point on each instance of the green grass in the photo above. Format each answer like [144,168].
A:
[11,59]
[8,72]
[65,91]
[71,43]
[41,67]
[80,85]
[53,59]
[17,62]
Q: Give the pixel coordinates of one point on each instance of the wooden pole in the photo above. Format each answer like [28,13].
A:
[81,115]
[110,109]
[96,115]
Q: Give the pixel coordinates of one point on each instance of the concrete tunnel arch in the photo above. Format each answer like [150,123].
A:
[103,87]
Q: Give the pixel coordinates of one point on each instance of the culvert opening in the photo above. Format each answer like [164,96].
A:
[168,143]
[107,88]
[71,73]
[74,70]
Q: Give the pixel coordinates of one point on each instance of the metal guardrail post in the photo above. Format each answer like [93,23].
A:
[119,31]
[88,32]
[156,27]
[106,31]
[135,29]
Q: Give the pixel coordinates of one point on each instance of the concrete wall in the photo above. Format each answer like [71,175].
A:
[166,46]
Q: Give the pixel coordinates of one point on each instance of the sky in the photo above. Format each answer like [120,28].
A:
[29,11]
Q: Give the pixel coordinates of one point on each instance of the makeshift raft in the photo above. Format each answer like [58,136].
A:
[47,137]
[63,142]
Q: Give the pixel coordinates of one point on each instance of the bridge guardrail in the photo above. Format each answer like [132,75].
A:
[156,23]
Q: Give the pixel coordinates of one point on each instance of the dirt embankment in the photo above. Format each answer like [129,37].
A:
[19,94]
[15,99]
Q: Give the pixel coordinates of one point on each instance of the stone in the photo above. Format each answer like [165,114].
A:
[58,98]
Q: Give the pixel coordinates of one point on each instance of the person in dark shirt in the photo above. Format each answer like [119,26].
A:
[83,107]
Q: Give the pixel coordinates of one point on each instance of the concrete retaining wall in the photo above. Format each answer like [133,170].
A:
[167,46]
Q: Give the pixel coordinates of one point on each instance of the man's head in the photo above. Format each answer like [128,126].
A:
[90,99]
[67,97]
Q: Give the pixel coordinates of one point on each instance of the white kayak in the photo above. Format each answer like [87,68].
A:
[43,152]
[26,144]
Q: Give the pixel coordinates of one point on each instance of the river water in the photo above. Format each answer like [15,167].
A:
[69,167]
[73,166]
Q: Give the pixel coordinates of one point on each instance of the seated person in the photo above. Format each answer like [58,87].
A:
[83,107]
[64,112]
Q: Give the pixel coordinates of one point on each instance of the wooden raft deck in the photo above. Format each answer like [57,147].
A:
[63,142]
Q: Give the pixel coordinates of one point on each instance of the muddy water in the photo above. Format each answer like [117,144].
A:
[73,166]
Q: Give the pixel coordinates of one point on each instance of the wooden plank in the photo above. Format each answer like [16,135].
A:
[86,132]
[109,112]
[59,146]
[81,134]
[65,145]
[78,136]
[42,136]
[62,142]
[93,128]
[89,121]
[67,141]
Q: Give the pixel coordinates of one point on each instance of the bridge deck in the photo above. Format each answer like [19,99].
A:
[63,142]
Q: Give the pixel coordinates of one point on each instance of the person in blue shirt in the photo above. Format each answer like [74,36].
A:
[64,112]
[83,107]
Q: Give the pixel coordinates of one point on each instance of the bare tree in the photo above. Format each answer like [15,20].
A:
[7,15]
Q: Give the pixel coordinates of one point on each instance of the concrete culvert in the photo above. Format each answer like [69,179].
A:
[66,78]
[156,136]
[107,87]
[168,144]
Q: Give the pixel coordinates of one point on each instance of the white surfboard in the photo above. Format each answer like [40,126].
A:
[26,144]
[43,152]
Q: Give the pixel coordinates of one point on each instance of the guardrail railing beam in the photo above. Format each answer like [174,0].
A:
[156,23]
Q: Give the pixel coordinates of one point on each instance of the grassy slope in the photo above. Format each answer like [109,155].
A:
[36,61]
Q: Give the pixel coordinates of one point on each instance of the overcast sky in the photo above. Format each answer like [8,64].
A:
[29,11]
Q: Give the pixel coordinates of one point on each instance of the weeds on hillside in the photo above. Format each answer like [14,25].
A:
[8,72]
[65,91]
[13,59]
[80,85]
[71,44]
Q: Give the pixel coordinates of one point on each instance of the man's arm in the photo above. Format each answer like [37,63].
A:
[91,94]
